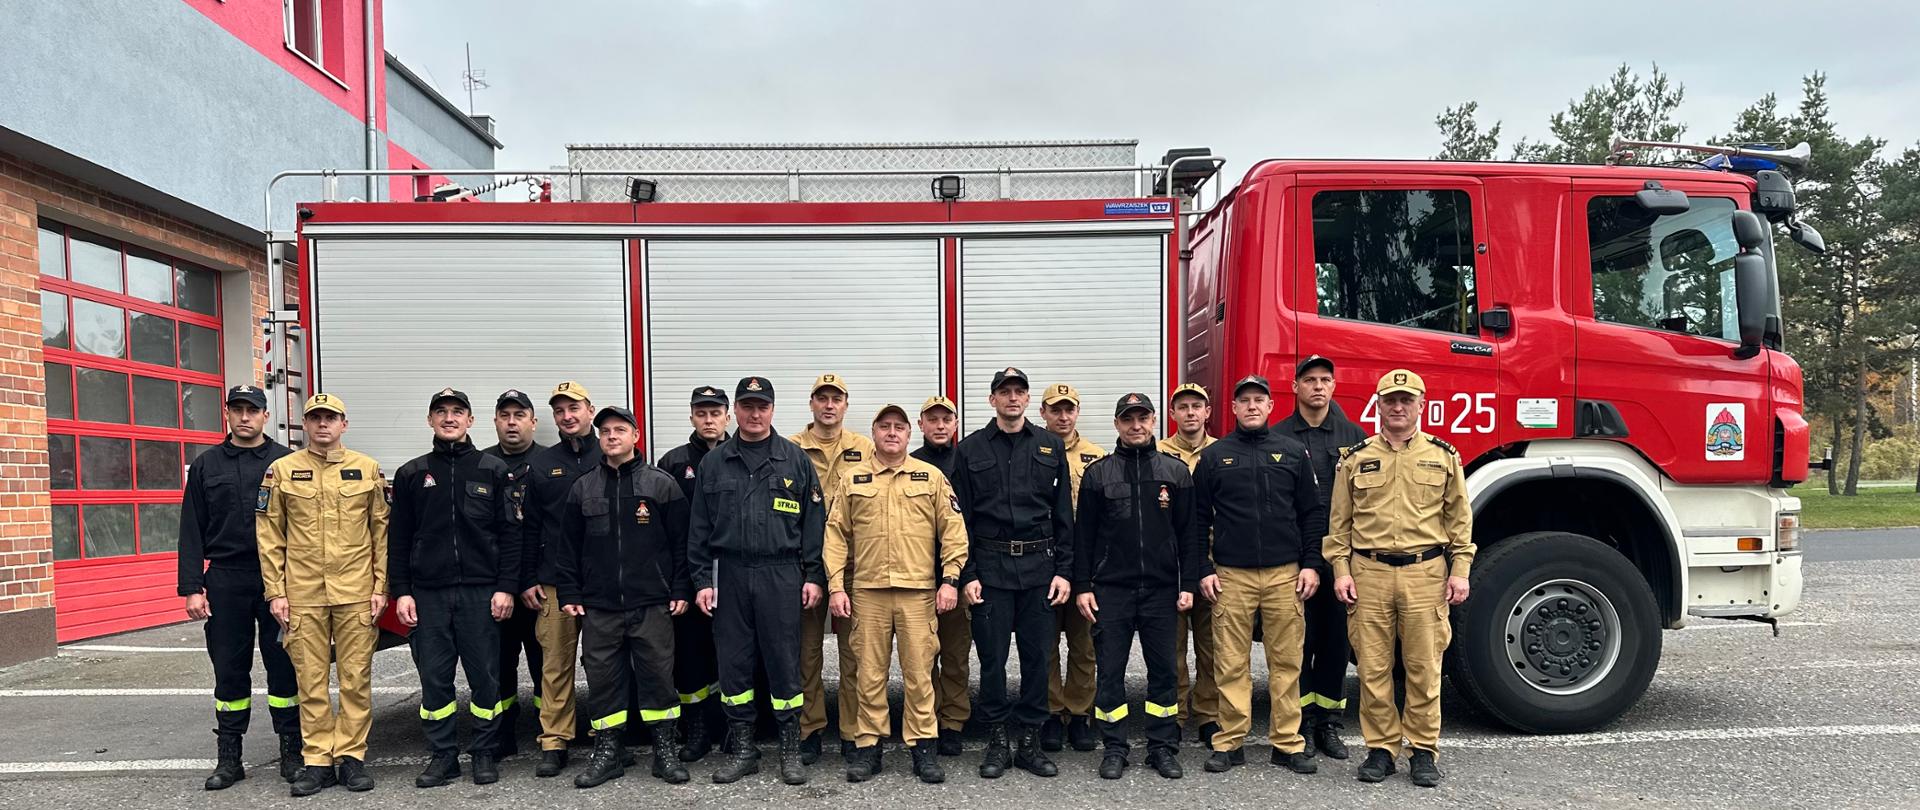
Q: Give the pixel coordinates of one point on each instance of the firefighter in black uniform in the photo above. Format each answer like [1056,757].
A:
[1135,570]
[696,673]
[453,561]
[1318,423]
[514,422]
[952,700]
[758,526]
[220,578]
[622,568]
[554,471]
[1011,480]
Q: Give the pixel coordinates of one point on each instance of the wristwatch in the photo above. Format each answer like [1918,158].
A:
[954,581]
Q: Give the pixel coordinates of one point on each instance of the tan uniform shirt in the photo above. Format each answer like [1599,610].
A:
[891,523]
[322,526]
[1177,447]
[1080,453]
[1405,499]
[831,460]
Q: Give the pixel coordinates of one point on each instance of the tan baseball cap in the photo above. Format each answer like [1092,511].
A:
[1190,388]
[570,390]
[939,402]
[1058,392]
[892,408]
[829,380]
[324,402]
[1401,379]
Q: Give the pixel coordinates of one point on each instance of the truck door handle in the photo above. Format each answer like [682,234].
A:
[1498,321]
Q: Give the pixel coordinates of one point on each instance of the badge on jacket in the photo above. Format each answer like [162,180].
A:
[1370,465]
[557,472]
[302,475]
[641,514]
[1166,500]
[260,502]
[849,455]
[863,478]
[428,482]
[350,475]
[1278,456]
[688,474]
[919,475]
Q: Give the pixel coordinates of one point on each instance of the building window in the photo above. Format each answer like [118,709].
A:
[1672,272]
[1403,258]
[133,375]
[303,28]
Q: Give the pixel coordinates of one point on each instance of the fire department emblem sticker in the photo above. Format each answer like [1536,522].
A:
[689,473]
[1166,502]
[641,514]
[429,482]
[1726,431]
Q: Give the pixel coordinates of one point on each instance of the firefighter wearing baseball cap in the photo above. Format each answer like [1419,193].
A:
[1070,688]
[833,450]
[1261,507]
[553,471]
[1400,544]
[622,571]
[755,543]
[696,673]
[940,433]
[898,528]
[1134,571]
[1190,409]
[454,570]
[219,574]
[1318,423]
[513,423]
[321,518]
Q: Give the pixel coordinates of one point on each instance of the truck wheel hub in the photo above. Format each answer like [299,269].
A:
[1563,636]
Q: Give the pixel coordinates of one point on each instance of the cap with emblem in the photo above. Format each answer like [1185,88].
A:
[1254,381]
[1190,389]
[891,408]
[569,389]
[324,402]
[513,396]
[247,394]
[614,412]
[759,388]
[829,380]
[1007,375]
[1132,402]
[709,395]
[1060,392]
[1398,380]
[1309,362]
[445,394]
[939,402]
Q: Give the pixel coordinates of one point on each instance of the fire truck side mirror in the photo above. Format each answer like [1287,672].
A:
[1748,232]
[1750,291]
[1805,236]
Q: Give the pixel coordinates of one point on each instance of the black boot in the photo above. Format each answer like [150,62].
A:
[695,742]
[1377,768]
[1028,756]
[1298,762]
[846,749]
[926,763]
[352,774]
[290,758]
[608,760]
[1223,761]
[1421,768]
[950,742]
[1080,734]
[313,779]
[1207,732]
[1309,725]
[1163,761]
[228,769]
[442,769]
[1113,765]
[995,762]
[743,755]
[810,748]
[485,771]
[1052,734]
[551,763]
[863,764]
[666,763]
[793,770]
[1327,737]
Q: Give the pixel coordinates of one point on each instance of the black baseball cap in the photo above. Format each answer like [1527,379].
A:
[1009,374]
[709,395]
[513,396]
[448,393]
[1254,380]
[616,412]
[759,388]
[248,394]
[1130,402]
[1310,361]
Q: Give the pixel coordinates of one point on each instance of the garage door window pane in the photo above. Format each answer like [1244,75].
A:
[152,339]
[200,404]
[199,349]
[62,472]
[95,264]
[53,320]
[106,463]
[159,465]
[199,289]
[150,278]
[99,329]
[103,396]
[156,403]
[53,253]
[59,391]
[66,532]
[109,531]
[159,528]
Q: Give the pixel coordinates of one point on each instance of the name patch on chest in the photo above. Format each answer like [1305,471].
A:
[789,506]
[1046,451]
[350,475]
[1370,465]
[863,478]
[302,475]
[1087,458]
[849,455]
[558,472]
[1432,465]
[919,476]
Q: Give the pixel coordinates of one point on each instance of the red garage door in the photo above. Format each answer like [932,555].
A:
[133,395]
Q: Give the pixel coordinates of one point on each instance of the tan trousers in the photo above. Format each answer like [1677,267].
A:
[953,703]
[813,638]
[1199,695]
[1407,604]
[559,638]
[885,619]
[1268,592]
[1071,692]
[317,637]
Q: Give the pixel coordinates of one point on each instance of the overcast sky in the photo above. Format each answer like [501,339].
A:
[1254,79]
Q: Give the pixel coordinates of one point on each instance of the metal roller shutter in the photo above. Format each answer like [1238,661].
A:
[398,319]
[1086,311]
[791,309]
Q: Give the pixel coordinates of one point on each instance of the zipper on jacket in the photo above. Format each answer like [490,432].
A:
[619,543]
[453,513]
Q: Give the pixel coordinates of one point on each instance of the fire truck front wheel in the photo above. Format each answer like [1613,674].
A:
[1561,634]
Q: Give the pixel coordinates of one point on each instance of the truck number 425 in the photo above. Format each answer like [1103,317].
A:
[1472,413]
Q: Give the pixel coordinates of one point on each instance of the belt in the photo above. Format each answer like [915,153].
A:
[1017,548]
[1399,560]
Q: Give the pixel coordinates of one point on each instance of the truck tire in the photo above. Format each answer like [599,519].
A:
[1561,634]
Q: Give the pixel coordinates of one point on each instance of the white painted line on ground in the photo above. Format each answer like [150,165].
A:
[107,766]
[1882,663]
[123,648]
[1748,626]
[161,692]
[1677,735]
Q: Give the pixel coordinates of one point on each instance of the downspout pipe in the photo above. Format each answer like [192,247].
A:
[373,128]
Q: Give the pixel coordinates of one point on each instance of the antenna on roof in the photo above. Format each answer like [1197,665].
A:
[472,79]
[1795,157]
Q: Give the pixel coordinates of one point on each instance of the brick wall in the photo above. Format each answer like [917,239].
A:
[28,193]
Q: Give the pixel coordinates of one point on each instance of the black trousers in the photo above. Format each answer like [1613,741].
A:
[757,623]
[696,670]
[517,638]
[456,624]
[240,622]
[1003,616]
[628,656]
[1323,660]
[1152,614]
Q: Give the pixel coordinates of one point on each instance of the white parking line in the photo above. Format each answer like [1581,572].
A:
[160,692]
[1748,626]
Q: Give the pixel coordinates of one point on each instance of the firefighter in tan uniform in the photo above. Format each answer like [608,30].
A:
[940,435]
[1189,410]
[321,517]
[1070,693]
[1400,543]
[899,523]
[832,450]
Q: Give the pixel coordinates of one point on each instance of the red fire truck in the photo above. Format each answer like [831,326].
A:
[1601,343]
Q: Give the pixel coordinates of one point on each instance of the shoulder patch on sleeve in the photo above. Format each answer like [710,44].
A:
[1443,445]
[260,501]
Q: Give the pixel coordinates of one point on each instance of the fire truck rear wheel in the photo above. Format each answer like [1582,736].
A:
[1561,634]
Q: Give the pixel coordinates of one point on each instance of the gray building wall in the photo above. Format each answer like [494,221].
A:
[424,126]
